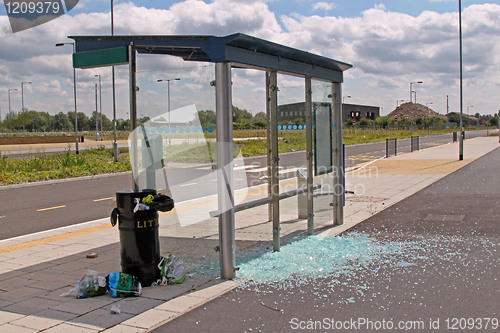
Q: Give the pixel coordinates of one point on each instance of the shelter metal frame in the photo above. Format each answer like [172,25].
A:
[235,51]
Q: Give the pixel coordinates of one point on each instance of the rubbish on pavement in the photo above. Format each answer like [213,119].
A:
[139,206]
[173,270]
[148,200]
[159,201]
[115,309]
[92,255]
[90,285]
[163,202]
[123,285]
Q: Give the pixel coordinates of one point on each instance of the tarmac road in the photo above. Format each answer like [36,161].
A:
[441,274]
[44,206]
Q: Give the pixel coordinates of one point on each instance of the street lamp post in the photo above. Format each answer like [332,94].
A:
[461,138]
[168,101]
[15,89]
[96,118]
[74,96]
[22,99]
[411,83]
[447,105]
[115,144]
[427,107]
[399,100]
[100,101]
[411,95]
[469,106]
[344,97]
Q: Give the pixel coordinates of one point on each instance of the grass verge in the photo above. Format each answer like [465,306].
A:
[66,165]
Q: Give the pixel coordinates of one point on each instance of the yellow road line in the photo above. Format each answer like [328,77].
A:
[96,200]
[50,208]
[53,239]
[187,184]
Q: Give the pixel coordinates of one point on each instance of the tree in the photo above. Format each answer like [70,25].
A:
[37,121]
[207,118]
[62,122]
[365,122]
[299,121]
[260,116]
[83,121]
[493,121]
[240,115]
[123,125]
[384,122]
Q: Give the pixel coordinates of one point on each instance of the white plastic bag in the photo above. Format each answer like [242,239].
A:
[173,270]
[90,285]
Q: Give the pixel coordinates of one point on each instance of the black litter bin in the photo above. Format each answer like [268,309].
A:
[139,243]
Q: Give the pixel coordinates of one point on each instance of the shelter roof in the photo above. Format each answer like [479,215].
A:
[239,49]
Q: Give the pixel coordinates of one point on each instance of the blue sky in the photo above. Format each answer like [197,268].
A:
[390,43]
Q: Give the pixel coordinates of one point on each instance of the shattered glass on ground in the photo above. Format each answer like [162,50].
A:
[342,257]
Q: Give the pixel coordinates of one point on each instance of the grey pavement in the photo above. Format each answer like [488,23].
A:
[446,277]
[36,269]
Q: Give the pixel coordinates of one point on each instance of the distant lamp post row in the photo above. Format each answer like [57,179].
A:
[168,101]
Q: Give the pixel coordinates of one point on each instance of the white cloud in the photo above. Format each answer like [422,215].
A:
[388,50]
[326,6]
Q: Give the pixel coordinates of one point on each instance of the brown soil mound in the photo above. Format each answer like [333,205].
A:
[413,110]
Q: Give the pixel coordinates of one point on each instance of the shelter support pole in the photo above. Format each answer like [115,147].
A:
[338,155]
[133,111]
[275,181]
[225,186]
[268,136]
[309,157]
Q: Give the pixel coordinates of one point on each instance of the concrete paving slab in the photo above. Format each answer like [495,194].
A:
[150,319]
[36,323]
[82,306]
[135,305]
[100,318]
[11,328]
[68,328]
[7,317]
[31,305]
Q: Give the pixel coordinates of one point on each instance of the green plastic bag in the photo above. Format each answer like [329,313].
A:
[123,285]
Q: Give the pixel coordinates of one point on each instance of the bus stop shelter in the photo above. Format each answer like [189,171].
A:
[323,117]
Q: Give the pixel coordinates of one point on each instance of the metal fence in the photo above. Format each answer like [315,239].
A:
[391,147]
[415,143]
[455,136]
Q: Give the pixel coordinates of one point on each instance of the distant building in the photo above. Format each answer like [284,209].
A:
[290,112]
[358,112]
